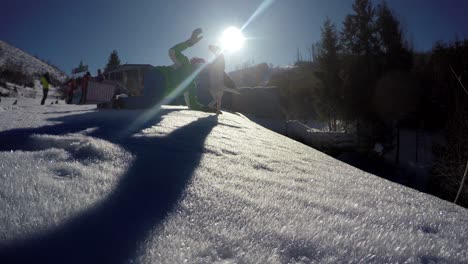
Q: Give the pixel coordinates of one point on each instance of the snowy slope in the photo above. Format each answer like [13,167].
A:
[31,65]
[85,186]
[20,92]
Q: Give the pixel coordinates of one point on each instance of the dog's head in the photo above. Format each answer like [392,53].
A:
[215,49]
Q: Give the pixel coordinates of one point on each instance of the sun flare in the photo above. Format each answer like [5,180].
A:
[232,39]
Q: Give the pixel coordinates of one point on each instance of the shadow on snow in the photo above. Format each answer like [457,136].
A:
[112,230]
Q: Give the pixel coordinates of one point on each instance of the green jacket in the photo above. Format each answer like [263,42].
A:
[44,83]
[176,76]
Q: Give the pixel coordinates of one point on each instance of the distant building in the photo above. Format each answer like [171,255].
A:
[131,76]
[255,75]
[256,98]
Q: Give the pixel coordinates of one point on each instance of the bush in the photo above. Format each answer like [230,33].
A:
[451,161]
[14,73]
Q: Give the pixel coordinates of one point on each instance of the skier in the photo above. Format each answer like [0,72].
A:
[45,81]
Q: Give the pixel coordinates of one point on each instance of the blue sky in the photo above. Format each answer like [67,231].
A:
[142,31]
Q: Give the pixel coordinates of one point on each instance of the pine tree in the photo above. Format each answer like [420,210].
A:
[396,94]
[113,61]
[328,55]
[359,32]
[360,44]
[393,47]
[329,93]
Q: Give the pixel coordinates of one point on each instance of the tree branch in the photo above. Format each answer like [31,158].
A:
[459,79]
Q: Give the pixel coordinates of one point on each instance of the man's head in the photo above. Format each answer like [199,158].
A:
[47,76]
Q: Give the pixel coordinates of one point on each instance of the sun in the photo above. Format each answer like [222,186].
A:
[232,39]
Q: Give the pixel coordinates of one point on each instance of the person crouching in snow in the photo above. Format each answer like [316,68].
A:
[45,82]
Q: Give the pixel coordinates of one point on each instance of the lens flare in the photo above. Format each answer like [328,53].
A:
[232,39]
[260,9]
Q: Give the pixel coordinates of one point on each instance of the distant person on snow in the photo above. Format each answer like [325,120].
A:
[45,82]
[100,77]
[84,87]
[71,90]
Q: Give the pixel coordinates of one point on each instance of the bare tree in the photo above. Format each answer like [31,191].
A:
[458,77]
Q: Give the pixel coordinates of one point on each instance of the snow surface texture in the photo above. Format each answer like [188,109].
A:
[19,91]
[31,65]
[85,186]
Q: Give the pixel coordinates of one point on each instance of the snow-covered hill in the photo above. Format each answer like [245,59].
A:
[20,91]
[32,66]
[78,185]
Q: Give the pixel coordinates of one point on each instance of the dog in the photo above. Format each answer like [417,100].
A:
[216,78]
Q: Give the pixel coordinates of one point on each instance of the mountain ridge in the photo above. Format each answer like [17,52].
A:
[28,64]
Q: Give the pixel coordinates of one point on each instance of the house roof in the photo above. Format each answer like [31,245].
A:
[127,67]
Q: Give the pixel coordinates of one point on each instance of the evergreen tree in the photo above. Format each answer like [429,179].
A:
[329,95]
[113,61]
[393,47]
[360,44]
[359,32]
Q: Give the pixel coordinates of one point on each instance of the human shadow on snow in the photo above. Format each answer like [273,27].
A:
[113,229]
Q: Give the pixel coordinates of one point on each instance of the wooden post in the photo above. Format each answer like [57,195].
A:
[139,84]
[466,168]
[397,156]
[417,144]
[462,183]
[125,78]
[358,133]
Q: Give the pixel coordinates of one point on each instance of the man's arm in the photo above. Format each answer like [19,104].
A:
[175,53]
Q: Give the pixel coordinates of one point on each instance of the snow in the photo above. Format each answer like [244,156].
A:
[14,90]
[81,185]
[30,64]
